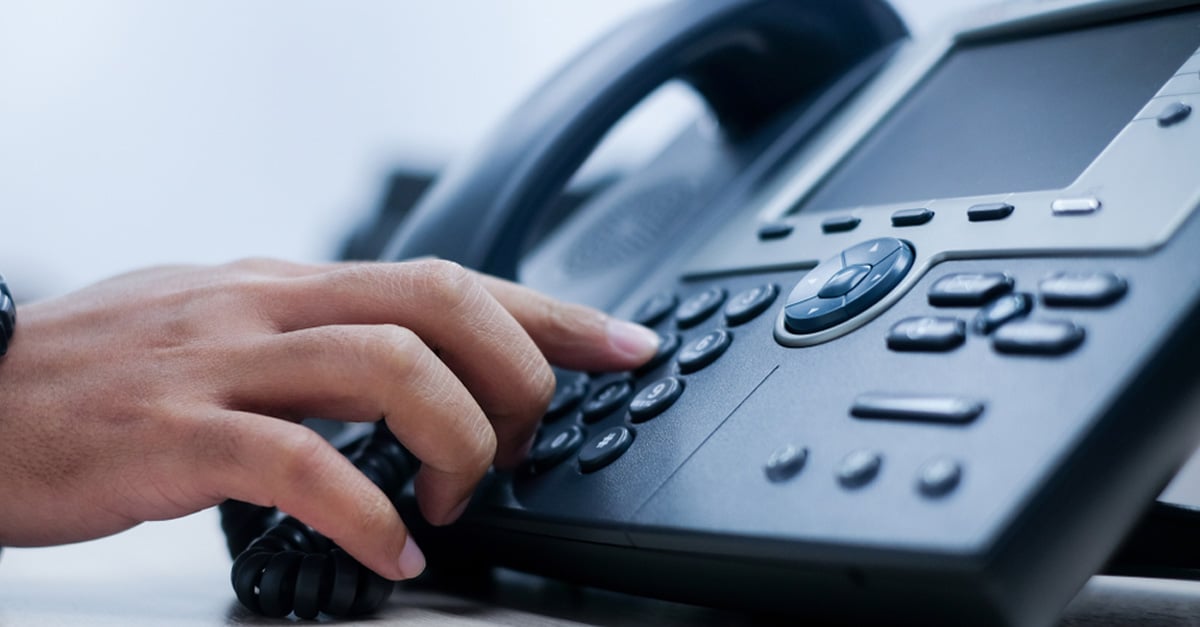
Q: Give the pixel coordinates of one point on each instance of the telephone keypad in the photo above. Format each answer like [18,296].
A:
[927,333]
[604,448]
[606,399]
[704,350]
[699,307]
[1038,337]
[655,398]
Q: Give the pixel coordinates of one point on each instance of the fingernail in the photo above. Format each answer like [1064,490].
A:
[632,339]
[412,560]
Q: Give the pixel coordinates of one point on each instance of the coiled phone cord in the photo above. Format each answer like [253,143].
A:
[284,566]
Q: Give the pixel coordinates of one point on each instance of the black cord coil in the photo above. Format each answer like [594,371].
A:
[283,566]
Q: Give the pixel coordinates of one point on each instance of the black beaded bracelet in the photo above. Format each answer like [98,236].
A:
[8,316]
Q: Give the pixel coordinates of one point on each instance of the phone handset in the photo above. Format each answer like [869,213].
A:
[748,59]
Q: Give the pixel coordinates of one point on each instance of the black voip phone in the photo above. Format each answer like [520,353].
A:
[930,315]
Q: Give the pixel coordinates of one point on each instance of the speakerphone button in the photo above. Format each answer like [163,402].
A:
[604,448]
[858,468]
[1079,289]
[699,306]
[927,333]
[1039,337]
[969,289]
[911,217]
[655,399]
[703,350]
[748,304]
[989,211]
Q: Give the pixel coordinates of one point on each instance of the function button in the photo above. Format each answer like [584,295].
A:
[989,211]
[1173,114]
[1075,206]
[775,230]
[1001,310]
[921,408]
[883,277]
[604,448]
[911,217]
[554,447]
[704,350]
[838,224]
[1039,337]
[969,289]
[939,477]
[872,252]
[655,398]
[569,389]
[858,468]
[1081,289]
[844,281]
[748,304]
[785,463]
[927,333]
[605,400]
[815,314]
[655,309]
[699,306]
[668,343]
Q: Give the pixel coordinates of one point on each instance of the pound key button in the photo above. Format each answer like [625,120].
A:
[554,447]
[697,307]
[655,399]
[927,333]
[606,399]
[604,448]
[748,304]
[969,289]
[703,350]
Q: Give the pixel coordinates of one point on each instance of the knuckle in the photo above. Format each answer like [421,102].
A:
[299,454]
[447,282]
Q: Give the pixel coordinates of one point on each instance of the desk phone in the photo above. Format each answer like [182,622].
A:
[928,309]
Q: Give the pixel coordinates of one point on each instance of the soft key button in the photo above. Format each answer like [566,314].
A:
[969,289]
[1075,206]
[1041,337]
[1081,289]
[927,333]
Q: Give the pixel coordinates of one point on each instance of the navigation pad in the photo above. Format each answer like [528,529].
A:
[847,284]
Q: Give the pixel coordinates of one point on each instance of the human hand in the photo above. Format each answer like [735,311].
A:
[162,392]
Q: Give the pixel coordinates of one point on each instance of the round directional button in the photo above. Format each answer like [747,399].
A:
[655,399]
[604,448]
[846,284]
[703,350]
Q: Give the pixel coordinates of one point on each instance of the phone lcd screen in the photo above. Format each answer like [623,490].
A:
[1014,115]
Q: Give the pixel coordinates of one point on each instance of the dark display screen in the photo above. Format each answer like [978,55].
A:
[1011,116]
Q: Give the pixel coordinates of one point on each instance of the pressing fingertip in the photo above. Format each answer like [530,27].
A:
[631,340]
[412,560]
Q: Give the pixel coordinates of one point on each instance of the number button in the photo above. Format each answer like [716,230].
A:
[655,399]
[703,350]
